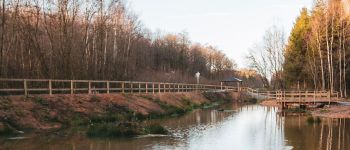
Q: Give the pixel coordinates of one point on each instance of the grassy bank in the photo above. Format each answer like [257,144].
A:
[116,115]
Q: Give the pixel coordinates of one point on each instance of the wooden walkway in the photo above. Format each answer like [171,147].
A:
[49,86]
[287,98]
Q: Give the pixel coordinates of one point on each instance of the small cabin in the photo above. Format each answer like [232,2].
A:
[232,81]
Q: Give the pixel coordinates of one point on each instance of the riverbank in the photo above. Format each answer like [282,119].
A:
[45,113]
[332,111]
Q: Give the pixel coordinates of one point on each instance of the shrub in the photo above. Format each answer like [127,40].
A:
[112,130]
[155,129]
[5,130]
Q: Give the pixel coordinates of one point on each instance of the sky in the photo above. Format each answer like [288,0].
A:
[232,26]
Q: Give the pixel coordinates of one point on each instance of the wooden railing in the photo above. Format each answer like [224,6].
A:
[49,86]
[295,95]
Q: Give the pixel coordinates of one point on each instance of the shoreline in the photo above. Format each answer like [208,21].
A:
[45,113]
[334,111]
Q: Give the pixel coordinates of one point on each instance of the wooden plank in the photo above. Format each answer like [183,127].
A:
[11,90]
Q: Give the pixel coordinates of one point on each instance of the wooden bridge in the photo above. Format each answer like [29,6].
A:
[49,86]
[301,98]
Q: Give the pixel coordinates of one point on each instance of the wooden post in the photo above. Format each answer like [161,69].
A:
[25,87]
[329,97]
[139,87]
[178,88]
[268,95]
[107,87]
[221,85]
[337,95]
[158,87]
[153,87]
[146,87]
[238,86]
[299,98]
[71,87]
[123,91]
[50,87]
[131,87]
[314,97]
[89,88]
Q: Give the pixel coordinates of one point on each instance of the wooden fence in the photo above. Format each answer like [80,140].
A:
[296,95]
[49,86]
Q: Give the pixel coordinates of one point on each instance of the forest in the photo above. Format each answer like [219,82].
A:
[316,54]
[98,39]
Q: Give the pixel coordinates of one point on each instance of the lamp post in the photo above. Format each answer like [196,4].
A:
[197,76]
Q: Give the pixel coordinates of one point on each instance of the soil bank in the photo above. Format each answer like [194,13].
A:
[47,113]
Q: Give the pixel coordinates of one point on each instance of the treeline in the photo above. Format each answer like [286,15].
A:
[317,53]
[97,39]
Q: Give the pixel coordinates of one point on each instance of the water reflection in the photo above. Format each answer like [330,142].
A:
[251,127]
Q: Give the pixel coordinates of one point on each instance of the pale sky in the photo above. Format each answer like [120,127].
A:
[232,26]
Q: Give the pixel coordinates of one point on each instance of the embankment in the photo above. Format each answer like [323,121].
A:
[50,113]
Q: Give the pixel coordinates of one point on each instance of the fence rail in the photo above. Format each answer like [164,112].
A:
[295,95]
[51,86]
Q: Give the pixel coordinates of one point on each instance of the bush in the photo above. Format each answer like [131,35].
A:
[5,130]
[112,130]
[155,129]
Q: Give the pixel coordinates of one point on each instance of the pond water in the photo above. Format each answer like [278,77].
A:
[241,127]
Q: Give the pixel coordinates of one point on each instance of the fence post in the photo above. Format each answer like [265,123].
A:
[25,87]
[147,87]
[131,87]
[158,87]
[178,88]
[107,87]
[314,97]
[299,98]
[50,87]
[89,88]
[329,97]
[71,87]
[153,87]
[123,90]
[139,87]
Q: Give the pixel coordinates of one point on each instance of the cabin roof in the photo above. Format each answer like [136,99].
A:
[232,79]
